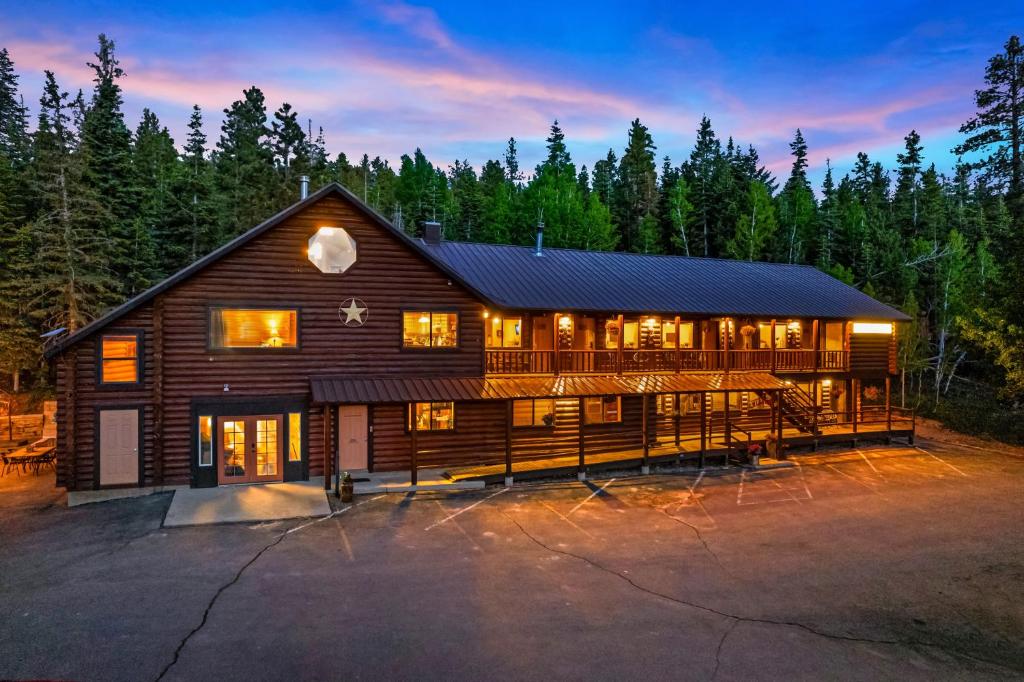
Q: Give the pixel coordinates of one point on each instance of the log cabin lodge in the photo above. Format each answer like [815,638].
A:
[326,338]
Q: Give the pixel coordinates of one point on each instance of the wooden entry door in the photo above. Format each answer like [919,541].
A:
[251,449]
[119,447]
[353,437]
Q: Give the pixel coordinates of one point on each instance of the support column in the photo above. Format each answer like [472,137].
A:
[508,443]
[781,453]
[855,401]
[888,408]
[728,425]
[678,417]
[678,353]
[414,452]
[581,471]
[774,362]
[328,450]
[703,428]
[620,346]
[645,428]
[727,348]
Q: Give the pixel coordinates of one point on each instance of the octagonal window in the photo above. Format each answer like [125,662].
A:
[332,250]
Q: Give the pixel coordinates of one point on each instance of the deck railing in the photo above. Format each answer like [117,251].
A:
[518,361]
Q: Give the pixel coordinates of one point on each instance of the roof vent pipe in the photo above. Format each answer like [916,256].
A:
[540,239]
[303,186]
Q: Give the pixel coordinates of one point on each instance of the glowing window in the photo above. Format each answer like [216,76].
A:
[540,412]
[439,416]
[425,329]
[603,409]
[504,332]
[294,437]
[119,359]
[205,441]
[332,250]
[253,328]
[872,327]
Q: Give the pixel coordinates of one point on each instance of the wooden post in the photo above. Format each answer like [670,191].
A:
[703,428]
[780,453]
[328,451]
[645,428]
[581,471]
[678,417]
[620,347]
[888,406]
[414,446]
[855,398]
[508,443]
[158,391]
[728,426]
[555,344]
[774,362]
[726,345]
[679,350]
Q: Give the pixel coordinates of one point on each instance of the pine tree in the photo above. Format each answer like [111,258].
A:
[828,220]
[106,149]
[679,211]
[606,177]
[14,139]
[636,193]
[796,208]
[291,155]
[495,204]
[70,282]
[244,165]
[998,128]
[196,190]
[905,198]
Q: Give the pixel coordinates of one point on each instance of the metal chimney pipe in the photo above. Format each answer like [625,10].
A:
[540,239]
[303,186]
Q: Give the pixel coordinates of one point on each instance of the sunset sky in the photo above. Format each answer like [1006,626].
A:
[459,78]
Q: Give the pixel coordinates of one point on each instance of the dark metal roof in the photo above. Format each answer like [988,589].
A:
[571,280]
[359,390]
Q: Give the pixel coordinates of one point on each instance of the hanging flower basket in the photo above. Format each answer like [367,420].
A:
[747,330]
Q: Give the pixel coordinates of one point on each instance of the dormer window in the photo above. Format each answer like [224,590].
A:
[332,250]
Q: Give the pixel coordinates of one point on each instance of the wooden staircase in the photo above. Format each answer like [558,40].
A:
[797,408]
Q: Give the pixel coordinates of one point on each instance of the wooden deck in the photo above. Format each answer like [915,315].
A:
[687,451]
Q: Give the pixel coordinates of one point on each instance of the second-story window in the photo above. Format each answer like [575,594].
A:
[253,328]
[120,359]
[504,332]
[428,329]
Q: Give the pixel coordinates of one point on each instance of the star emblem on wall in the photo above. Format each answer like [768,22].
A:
[353,312]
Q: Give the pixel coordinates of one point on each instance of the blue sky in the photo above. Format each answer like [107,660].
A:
[459,78]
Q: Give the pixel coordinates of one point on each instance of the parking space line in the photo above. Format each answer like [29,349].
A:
[739,490]
[345,543]
[464,510]
[566,519]
[852,478]
[870,463]
[591,496]
[942,460]
[804,480]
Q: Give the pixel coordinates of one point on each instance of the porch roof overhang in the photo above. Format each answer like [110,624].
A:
[358,390]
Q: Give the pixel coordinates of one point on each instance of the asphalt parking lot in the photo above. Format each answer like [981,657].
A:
[879,562]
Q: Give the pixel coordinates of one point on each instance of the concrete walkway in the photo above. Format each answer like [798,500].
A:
[400,482]
[237,503]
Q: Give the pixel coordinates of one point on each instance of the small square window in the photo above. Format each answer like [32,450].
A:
[603,409]
[436,416]
[119,359]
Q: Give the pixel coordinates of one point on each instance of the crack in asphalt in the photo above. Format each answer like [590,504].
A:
[213,600]
[721,645]
[709,609]
[700,536]
[238,574]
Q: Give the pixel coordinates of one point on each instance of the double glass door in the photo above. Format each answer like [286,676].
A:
[251,448]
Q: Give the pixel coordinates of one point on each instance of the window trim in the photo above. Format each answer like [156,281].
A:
[140,359]
[533,405]
[284,350]
[199,440]
[431,310]
[410,413]
[586,420]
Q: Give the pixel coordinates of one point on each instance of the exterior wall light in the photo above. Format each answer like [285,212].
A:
[872,327]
